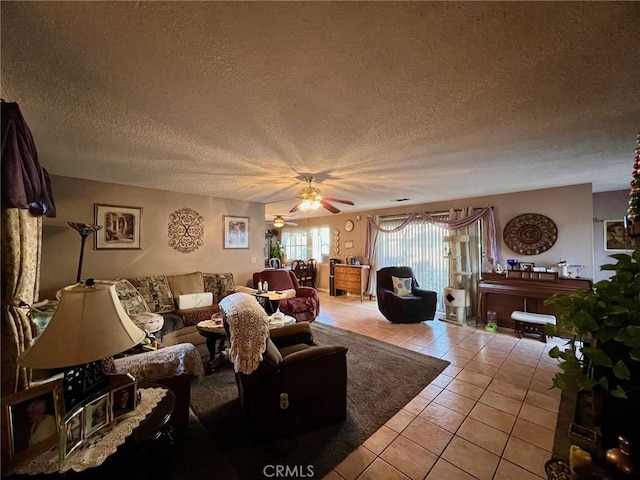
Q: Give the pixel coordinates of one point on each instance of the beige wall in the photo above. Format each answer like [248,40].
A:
[571,208]
[75,202]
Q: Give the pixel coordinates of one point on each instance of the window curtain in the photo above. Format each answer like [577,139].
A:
[26,197]
[370,252]
[473,215]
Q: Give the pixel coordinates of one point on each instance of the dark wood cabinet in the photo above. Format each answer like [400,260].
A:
[525,291]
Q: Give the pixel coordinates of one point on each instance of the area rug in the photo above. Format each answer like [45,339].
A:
[382,378]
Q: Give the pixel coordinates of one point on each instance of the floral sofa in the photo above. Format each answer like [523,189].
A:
[159,294]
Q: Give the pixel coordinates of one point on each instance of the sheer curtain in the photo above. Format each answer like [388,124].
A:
[467,218]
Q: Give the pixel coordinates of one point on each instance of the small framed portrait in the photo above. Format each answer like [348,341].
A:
[30,420]
[96,414]
[123,400]
[527,266]
[122,227]
[616,237]
[72,433]
[236,232]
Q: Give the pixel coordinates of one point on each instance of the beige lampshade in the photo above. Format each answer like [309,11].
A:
[88,325]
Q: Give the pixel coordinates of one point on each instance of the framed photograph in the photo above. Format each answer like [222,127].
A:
[616,238]
[96,414]
[72,431]
[527,266]
[30,422]
[123,400]
[236,232]
[348,244]
[122,227]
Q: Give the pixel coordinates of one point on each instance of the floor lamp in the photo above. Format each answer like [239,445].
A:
[84,229]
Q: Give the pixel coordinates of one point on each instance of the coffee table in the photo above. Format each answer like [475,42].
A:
[280,322]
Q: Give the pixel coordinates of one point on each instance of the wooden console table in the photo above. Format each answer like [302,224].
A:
[524,291]
[351,278]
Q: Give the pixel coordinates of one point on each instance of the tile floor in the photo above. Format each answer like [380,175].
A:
[488,415]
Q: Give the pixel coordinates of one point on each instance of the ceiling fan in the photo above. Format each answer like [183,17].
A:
[312,200]
[279,221]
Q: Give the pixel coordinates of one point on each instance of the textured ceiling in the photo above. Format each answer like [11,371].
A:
[427,101]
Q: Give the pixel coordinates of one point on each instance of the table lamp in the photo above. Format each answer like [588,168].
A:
[88,326]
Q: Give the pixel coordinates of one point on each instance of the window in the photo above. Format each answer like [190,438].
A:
[305,243]
[419,245]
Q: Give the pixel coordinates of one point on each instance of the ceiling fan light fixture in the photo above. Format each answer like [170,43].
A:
[278,221]
[311,199]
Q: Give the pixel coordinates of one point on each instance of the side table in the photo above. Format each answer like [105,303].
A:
[142,438]
[216,337]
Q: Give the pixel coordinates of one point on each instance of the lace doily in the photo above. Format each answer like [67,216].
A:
[166,362]
[248,326]
[97,448]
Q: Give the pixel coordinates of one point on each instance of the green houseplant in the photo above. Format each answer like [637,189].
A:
[604,329]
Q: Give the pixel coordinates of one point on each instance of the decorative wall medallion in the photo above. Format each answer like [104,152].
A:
[530,234]
[186,230]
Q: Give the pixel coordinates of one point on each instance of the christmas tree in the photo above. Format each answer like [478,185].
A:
[633,213]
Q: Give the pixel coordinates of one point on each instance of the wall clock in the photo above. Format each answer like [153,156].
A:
[348,225]
[530,234]
[186,230]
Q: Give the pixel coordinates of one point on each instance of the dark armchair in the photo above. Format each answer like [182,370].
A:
[298,385]
[417,307]
[304,307]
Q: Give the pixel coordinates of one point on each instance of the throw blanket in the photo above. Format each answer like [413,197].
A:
[248,328]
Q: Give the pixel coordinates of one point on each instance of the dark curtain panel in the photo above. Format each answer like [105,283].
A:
[26,197]
[25,184]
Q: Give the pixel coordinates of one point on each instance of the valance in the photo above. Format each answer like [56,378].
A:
[25,184]
[478,213]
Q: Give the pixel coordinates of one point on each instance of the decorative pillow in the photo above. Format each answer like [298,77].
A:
[220,284]
[156,292]
[402,286]
[130,297]
[195,300]
[184,284]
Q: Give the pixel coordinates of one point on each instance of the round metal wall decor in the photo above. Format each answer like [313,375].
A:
[186,230]
[530,234]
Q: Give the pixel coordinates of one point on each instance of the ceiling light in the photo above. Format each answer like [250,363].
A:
[278,221]
[311,198]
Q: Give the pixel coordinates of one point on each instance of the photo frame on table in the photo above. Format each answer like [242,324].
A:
[527,266]
[236,232]
[616,238]
[124,400]
[72,433]
[30,422]
[96,414]
[122,227]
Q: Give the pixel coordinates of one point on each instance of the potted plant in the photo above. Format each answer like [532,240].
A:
[602,354]
[277,251]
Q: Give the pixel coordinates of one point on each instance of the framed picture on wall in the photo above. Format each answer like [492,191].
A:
[236,232]
[122,227]
[616,238]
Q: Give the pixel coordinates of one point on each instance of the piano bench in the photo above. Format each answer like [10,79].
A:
[532,324]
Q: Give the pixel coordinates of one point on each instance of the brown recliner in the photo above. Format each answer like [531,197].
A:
[298,385]
[304,307]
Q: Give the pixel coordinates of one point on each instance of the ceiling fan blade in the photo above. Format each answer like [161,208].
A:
[295,208]
[291,224]
[328,206]
[346,202]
